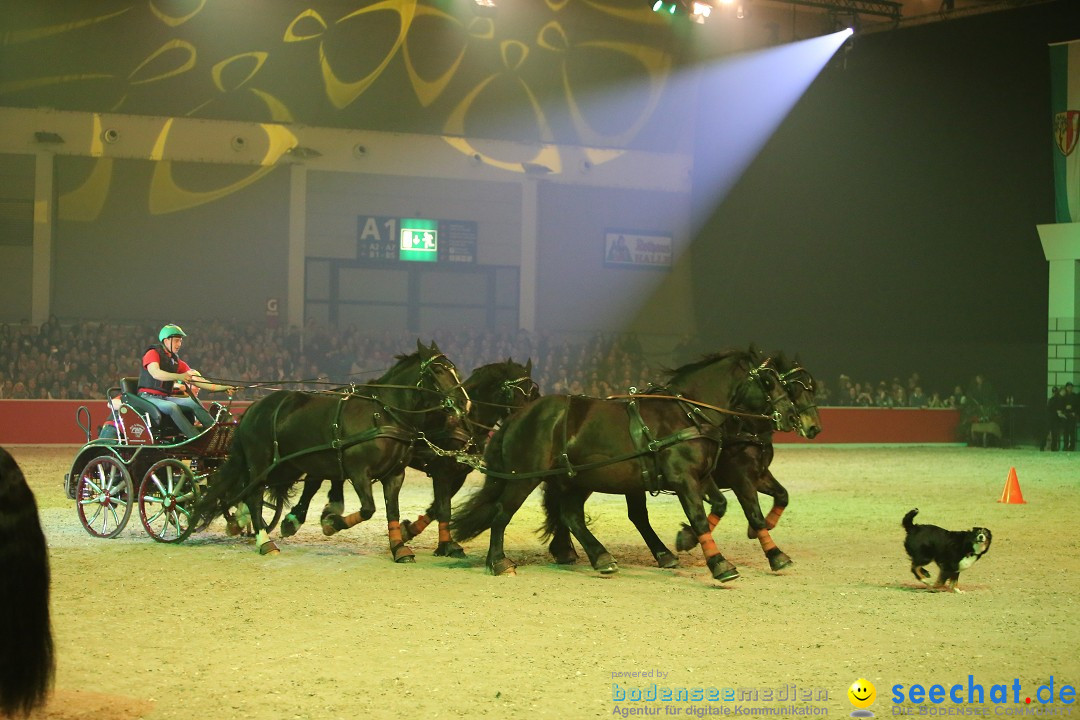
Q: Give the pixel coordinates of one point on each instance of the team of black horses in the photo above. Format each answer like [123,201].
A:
[707,428]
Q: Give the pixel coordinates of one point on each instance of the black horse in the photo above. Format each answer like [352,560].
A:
[365,434]
[743,467]
[494,392]
[27,663]
[649,442]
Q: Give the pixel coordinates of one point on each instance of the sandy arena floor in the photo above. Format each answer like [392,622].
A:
[331,628]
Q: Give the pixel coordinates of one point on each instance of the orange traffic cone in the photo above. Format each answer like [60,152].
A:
[1011,494]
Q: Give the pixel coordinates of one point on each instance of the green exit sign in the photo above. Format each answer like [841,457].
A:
[419,240]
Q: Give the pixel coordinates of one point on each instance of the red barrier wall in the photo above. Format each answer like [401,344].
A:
[51,422]
[881,425]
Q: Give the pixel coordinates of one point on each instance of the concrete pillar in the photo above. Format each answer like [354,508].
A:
[530,221]
[294,300]
[44,221]
[1061,246]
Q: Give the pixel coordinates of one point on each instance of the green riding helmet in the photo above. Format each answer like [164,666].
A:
[170,331]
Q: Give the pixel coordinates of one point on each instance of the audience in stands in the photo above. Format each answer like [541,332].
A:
[84,359]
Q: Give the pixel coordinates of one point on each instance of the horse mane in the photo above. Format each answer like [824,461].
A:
[709,359]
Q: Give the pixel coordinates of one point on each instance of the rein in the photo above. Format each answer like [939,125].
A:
[688,401]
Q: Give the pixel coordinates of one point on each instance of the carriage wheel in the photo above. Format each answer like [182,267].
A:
[271,512]
[167,497]
[103,496]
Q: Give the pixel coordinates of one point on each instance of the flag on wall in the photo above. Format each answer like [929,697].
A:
[1065,109]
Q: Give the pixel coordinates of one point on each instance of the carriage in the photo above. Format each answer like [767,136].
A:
[141,459]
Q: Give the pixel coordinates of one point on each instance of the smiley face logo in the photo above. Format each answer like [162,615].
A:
[862,694]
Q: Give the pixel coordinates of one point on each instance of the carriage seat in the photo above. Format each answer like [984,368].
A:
[129,388]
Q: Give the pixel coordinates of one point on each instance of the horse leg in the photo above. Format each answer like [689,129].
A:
[333,522]
[746,492]
[391,486]
[685,539]
[691,502]
[263,543]
[511,498]
[638,512]
[298,513]
[572,514]
[768,485]
[445,487]
[561,546]
[335,506]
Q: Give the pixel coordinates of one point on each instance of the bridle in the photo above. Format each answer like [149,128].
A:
[427,366]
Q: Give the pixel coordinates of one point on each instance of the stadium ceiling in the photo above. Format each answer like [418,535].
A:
[792,16]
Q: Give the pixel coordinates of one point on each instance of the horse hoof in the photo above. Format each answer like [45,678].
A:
[332,509]
[406,531]
[750,534]
[605,564]
[667,560]
[505,566]
[332,524]
[269,548]
[232,528]
[450,549]
[685,540]
[289,525]
[721,569]
[779,560]
[727,575]
[403,554]
[564,556]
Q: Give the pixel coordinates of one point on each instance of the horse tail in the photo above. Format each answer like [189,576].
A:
[908,523]
[283,493]
[552,495]
[224,485]
[478,512]
[28,665]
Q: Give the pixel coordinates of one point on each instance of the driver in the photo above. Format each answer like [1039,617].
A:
[161,369]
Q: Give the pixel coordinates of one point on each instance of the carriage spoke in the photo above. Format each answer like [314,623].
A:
[104,496]
[166,515]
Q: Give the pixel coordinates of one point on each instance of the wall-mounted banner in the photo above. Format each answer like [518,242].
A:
[627,248]
[1065,111]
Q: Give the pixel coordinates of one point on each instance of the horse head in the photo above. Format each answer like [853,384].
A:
[740,381]
[768,395]
[799,384]
[438,375]
[499,389]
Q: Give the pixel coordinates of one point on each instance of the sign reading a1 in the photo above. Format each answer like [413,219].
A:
[419,240]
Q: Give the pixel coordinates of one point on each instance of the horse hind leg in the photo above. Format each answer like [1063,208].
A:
[638,512]
[330,518]
[508,503]
[297,515]
[561,546]
[572,513]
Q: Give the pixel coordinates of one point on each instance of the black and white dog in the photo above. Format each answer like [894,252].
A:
[951,550]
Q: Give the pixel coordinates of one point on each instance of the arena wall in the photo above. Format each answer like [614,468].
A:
[52,422]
